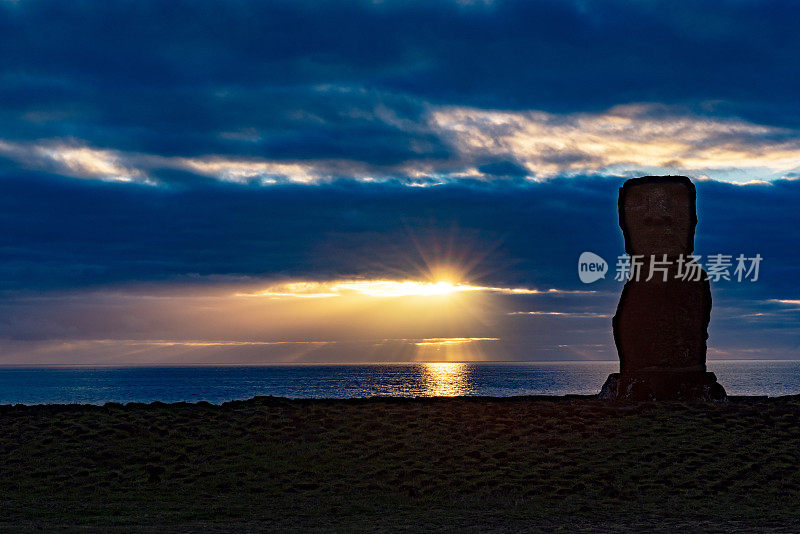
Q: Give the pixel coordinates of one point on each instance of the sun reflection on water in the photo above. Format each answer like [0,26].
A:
[445,379]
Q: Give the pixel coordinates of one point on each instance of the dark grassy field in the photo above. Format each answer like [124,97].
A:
[450,464]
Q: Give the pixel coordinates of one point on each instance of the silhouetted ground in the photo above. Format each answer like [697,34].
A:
[462,464]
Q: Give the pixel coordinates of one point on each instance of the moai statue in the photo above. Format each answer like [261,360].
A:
[661,324]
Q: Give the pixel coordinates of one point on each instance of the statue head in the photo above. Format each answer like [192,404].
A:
[658,215]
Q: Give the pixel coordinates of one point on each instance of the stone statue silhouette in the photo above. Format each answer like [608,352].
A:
[661,324]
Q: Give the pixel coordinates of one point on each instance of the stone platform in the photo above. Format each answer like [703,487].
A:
[663,385]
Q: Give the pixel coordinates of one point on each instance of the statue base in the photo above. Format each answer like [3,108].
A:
[663,384]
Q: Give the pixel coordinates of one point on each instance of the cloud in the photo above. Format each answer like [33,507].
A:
[500,235]
[167,352]
[625,139]
[790,302]
[314,92]
[485,145]
[73,159]
[261,172]
[568,315]
[389,289]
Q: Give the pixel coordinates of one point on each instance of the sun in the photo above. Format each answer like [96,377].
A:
[439,288]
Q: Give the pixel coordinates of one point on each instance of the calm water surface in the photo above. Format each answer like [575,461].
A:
[219,384]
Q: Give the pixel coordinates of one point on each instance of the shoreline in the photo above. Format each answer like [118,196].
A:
[388,398]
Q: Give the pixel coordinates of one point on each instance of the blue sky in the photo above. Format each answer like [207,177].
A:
[208,182]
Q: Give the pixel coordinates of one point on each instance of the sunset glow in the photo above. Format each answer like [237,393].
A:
[370,288]
[387,289]
[414,188]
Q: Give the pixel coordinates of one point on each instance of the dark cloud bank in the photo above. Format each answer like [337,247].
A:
[293,80]
[63,233]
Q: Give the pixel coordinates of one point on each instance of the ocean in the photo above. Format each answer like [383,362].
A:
[98,385]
